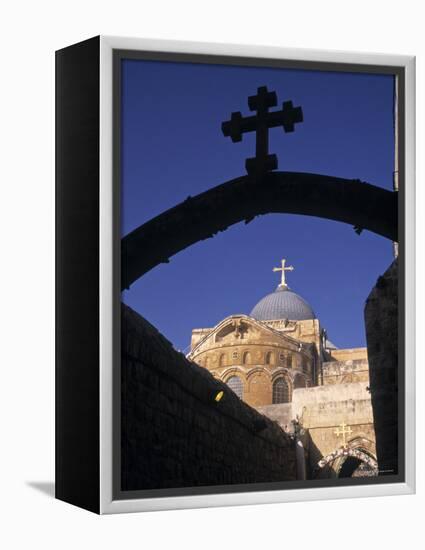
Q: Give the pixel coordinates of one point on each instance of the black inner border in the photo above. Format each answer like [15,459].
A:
[396,71]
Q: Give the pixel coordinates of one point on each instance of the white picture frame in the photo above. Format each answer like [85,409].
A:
[108,503]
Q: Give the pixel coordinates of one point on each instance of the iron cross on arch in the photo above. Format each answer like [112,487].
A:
[238,125]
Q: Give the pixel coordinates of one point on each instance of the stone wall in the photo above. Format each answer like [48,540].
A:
[174,432]
[239,346]
[281,413]
[321,411]
[381,317]
[345,372]
[349,354]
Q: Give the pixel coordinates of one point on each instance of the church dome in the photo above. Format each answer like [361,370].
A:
[282,304]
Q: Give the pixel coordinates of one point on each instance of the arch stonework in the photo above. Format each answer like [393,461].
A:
[246,358]
[233,371]
[269,358]
[256,370]
[344,452]
[281,371]
[354,202]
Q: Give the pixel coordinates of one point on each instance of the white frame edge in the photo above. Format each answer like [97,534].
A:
[107,503]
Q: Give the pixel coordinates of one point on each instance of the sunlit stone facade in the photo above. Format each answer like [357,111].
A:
[278,360]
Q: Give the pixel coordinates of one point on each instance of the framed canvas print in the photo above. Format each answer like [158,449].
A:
[234,274]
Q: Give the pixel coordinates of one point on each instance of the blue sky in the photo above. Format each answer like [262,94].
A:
[172,147]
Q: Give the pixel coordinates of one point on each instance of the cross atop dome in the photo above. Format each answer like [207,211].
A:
[283,269]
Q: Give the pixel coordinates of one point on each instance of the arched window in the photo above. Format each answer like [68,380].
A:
[305,365]
[289,361]
[299,382]
[246,358]
[281,393]
[236,385]
[222,360]
[269,358]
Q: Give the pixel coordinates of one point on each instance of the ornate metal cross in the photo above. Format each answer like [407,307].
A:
[283,269]
[343,431]
[260,123]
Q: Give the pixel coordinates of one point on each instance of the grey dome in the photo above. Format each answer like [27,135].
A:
[282,304]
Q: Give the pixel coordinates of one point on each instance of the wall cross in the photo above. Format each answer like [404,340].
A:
[343,430]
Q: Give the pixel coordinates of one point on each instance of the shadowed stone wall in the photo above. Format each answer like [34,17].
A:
[381,317]
[174,433]
[281,413]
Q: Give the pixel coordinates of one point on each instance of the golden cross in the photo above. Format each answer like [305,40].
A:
[343,432]
[283,269]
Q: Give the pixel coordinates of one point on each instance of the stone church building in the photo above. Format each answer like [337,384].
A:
[279,361]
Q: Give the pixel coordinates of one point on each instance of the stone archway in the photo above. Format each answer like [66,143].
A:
[348,462]
[198,218]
